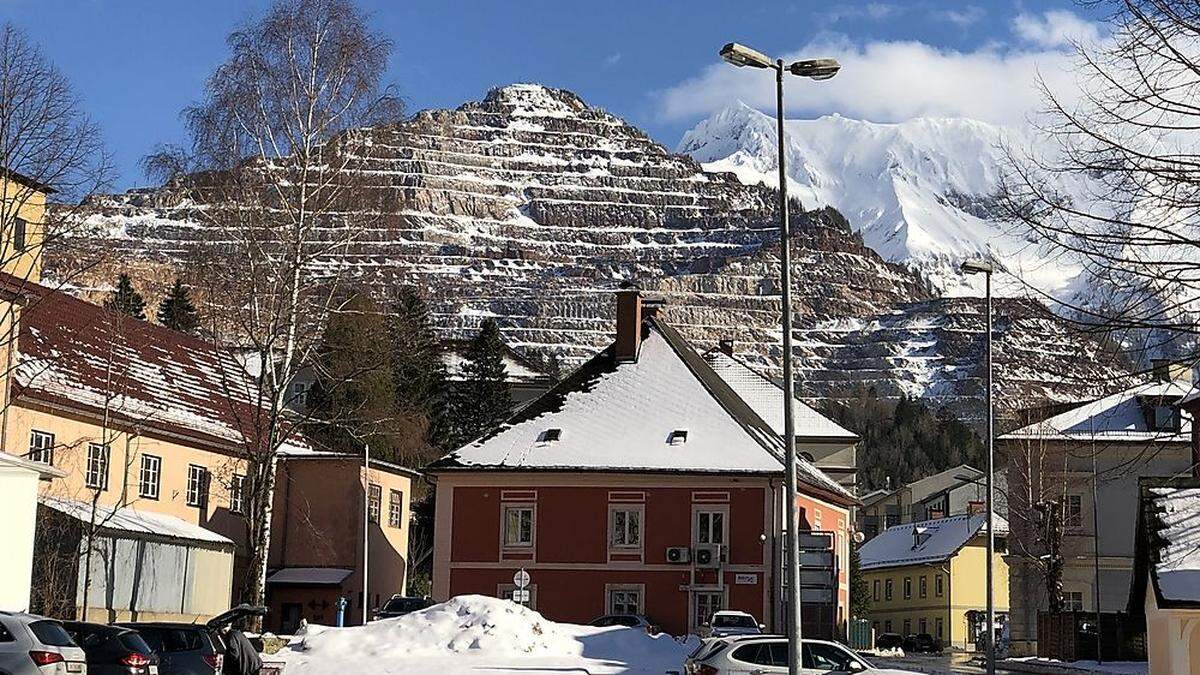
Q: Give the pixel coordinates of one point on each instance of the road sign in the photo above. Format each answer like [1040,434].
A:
[521,595]
[521,578]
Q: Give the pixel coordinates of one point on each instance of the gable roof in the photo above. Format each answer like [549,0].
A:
[1116,417]
[1168,543]
[517,368]
[765,396]
[941,540]
[619,416]
[79,356]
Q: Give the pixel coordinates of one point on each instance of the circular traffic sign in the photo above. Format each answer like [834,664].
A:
[521,578]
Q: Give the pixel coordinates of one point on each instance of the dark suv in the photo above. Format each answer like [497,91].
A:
[113,650]
[188,648]
[398,605]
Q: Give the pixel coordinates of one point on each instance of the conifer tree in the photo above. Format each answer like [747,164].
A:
[126,300]
[418,373]
[860,591]
[177,312]
[484,399]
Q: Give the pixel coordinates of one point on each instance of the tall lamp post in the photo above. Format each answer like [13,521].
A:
[985,268]
[816,69]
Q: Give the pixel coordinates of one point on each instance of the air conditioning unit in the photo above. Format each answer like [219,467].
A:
[679,554]
[708,555]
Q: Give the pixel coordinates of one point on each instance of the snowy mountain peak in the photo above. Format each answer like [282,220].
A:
[922,192]
[535,100]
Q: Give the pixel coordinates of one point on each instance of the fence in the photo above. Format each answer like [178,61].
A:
[861,635]
[1074,636]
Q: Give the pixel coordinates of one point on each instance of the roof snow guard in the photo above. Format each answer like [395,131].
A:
[619,415]
[930,541]
[1168,543]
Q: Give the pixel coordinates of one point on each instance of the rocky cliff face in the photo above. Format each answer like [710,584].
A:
[530,206]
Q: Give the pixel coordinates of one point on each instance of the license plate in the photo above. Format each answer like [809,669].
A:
[74,667]
[153,670]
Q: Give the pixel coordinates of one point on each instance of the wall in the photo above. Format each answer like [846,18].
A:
[31,206]
[18,503]
[968,590]
[931,608]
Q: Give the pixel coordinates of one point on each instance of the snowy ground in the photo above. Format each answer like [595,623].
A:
[1051,666]
[478,635]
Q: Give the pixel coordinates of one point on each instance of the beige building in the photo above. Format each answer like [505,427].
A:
[1166,580]
[951,492]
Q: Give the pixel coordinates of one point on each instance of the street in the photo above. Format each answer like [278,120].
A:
[946,663]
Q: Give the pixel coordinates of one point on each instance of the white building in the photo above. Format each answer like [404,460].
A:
[1167,574]
[19,503]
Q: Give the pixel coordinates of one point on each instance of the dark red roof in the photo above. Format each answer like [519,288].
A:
[81,356]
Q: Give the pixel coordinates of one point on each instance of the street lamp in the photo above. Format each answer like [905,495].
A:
[816,69]
[986,269]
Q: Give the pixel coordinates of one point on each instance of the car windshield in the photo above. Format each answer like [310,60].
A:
[734,621]
[404,605]
[51,633]
[134,643]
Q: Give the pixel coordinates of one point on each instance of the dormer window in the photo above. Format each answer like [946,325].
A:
[1166,418]
[920,536]
[550,436]
[677,437]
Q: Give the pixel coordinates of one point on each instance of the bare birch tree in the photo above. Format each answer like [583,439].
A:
[277,145]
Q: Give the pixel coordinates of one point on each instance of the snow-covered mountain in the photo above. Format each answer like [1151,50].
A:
[921,192]
[530,206]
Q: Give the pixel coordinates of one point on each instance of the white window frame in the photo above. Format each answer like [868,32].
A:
[1073,520]
[1073,601]
[907,588]
[395,508]
[41,446]
[198,479]
[518,543]
[702,532]
[939,586]
[150,476]
[299,397]
[237,493]
[96,473]
[701,619]
[617,598]
[638,512]
[374,502]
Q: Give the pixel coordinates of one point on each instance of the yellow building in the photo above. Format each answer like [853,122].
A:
[930,577]
[22,224]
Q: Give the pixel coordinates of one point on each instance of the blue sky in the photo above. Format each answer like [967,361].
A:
[137,63]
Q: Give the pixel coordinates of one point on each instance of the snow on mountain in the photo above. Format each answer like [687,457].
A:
[921,192]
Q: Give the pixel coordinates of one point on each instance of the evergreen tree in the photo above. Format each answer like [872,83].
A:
[418,373]
[177,312]
[484,399]
[353,398]
[126,300]
[860,590]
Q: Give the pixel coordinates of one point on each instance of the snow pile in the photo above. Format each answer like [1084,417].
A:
[474,633]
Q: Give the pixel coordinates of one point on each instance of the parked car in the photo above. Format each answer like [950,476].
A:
[627,620]
[113,650]
[769,654]
[399,605]
[731,622]
[189,648]
[34,645]
[889,641]
[922,643]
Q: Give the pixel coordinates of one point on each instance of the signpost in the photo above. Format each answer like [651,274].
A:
[521,581]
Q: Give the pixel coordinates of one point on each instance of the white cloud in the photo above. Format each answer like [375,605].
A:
[612,59]
[887,82]
[963,17]
[1055,28]
[875,11]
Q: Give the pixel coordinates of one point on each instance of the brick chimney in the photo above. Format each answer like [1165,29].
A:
[629,322]
[726,346]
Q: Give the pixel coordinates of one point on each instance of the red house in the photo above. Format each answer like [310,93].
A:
[641,483]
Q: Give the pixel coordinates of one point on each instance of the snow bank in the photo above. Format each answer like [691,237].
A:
[476,633]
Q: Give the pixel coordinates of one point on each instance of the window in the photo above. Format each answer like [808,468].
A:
[197,485]
[706,605]
[887,589]
[148,476]
[41,446]
[1166,418]
[625,601]
[625,527]
[922,626]
[20,225]
[237,493]
[887,626]
[395,508]
[96,476]
[762,654]
[937,585]
[939,628]
[826,658]
[678,437]
[907,588]
[923,586]
[907,627]
[374,502]
[710,527]
[1073,601]
[875,590]
[299,397]
[1073,511]
[550,436]
[518,526]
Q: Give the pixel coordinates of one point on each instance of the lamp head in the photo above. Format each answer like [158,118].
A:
[977,267]
[816,69]
[741,55]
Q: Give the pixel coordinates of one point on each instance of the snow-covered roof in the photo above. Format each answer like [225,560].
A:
[126,519]
[309,576]
[940,540]
[765,396]
[1121,416]
[1168,543]
[620,416]
[42,469]
[518,369]
[79,355]
[297,448]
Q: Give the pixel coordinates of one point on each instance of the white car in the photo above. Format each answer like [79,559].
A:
[767,654]
[731,622]
[34,645]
